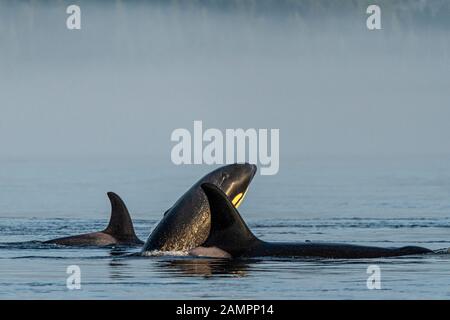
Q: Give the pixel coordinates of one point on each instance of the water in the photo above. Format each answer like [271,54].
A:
[385,201]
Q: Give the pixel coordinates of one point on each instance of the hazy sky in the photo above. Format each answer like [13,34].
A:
[136,72]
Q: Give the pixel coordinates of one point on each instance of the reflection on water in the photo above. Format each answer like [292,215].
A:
[118,270]
[206,267]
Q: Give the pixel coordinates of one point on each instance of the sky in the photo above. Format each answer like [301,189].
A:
[137,71]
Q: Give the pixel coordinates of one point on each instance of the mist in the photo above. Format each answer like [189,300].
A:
[136,71]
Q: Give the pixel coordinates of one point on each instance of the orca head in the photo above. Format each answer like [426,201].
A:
[186,224]
[233,180]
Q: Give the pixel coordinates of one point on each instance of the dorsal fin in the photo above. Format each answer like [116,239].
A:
[120,225]
[228,230]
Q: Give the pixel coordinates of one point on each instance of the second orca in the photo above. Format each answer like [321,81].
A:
[120,230]
[230,237]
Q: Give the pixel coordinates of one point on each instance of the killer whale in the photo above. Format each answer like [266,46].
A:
[186,224]
[229,234]
[120,229]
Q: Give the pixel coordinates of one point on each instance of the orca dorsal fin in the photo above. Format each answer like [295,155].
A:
[229,231]
[120,225]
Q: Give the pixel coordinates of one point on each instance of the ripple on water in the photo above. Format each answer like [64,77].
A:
[32,269]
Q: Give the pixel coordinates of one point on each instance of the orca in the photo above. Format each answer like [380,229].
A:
[186,224]
[229,234]
[120,230]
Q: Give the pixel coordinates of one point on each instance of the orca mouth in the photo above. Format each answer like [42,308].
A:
[254,170]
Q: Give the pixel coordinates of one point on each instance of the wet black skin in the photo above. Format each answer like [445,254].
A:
[230,233]
[186,224]
[120,230]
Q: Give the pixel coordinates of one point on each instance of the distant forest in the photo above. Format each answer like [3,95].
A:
[154,27]
[404,12]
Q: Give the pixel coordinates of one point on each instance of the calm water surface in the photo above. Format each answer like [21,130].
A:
[385,202]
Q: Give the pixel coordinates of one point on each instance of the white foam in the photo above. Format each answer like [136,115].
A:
[443,251]
[158,253]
